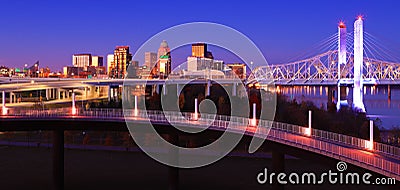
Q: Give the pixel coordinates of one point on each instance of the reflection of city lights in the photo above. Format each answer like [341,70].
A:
[73,111]
[4,110]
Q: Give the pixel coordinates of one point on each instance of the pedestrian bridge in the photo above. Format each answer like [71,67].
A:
[382,159]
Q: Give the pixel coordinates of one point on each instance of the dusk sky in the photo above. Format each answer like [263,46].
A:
[51,31]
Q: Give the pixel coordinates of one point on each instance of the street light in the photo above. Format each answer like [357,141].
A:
[196,112]
[253,122]
[308,130]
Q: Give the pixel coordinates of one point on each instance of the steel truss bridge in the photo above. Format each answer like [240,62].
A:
[322,69]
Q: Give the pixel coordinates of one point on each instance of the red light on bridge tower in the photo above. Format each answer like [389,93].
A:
[342,25]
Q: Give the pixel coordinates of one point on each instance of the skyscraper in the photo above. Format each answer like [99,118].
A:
[110,63]
[163,67]
[150,59]
[202,59]
[97,61]
[163,50]
[199,50]
[82,60]
[122,59]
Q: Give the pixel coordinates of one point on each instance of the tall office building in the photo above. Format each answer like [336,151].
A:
[163,50]
[163,67]
[97,61]
[132,70]
[110,62]
[122,59]
[82,60]
[202,59]
[150,59]
[199,50]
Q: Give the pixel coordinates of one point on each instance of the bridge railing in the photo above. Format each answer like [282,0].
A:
[339,152]
[281,132]
[220,121]
[339,138]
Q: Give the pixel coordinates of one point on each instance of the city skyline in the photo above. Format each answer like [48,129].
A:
[36,28]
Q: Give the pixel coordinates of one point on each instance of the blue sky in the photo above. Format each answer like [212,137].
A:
[51,31]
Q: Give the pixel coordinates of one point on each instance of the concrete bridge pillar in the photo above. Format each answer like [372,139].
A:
[58,94]
[234,90]
[164,89]
[109,94]
[331,96]
[278,166]
[51,96]
[3,99]
[58,159]
[86,92]
[155,89]
[47,94]
[208,88]
[12,97]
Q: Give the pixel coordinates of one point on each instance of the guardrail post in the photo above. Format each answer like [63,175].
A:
[309,129]
[73,103]
[253,121]
[371,135]
[136,106]
[3,104]
[196,112]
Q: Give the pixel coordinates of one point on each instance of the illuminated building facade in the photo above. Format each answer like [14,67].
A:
[82,60]
[122,59]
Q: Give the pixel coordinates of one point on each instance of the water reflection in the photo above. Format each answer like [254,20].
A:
[380,101]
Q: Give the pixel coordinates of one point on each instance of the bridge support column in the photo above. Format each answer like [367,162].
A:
[109,93]
[208,88]
[278,166]
[51,93]
[234,89]
[389,93]
[173,172]
[58,159]
[331,96]
[12,95]
[164,89]
[3,99]
[58,94]
[47,94]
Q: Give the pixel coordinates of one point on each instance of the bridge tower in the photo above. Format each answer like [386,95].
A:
[342,61]
[358,65]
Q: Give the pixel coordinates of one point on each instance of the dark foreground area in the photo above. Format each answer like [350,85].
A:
[31,168]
